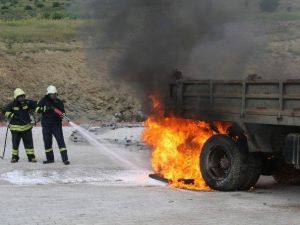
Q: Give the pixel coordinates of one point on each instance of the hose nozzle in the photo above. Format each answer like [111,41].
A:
[61,114]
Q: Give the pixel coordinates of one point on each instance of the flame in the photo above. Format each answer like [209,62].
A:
[177,144]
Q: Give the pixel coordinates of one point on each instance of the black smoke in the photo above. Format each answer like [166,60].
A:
[202,38]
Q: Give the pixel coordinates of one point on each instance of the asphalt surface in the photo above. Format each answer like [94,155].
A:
[98,189]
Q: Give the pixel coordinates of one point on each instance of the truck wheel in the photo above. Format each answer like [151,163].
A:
[287,175]
[253,172]
[222,165]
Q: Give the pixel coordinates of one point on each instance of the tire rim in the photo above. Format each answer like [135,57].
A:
[219,163]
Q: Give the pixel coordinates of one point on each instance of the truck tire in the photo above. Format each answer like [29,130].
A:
[222,164]
[253,173]
[287,175]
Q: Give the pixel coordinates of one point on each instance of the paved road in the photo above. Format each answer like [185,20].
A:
[96,190]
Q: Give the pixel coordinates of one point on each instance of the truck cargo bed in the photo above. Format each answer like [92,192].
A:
[259,101]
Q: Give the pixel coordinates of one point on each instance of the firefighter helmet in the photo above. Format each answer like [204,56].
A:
[18,92]
[51,90]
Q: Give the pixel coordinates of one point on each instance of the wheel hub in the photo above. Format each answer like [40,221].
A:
[219,164]
[224,163]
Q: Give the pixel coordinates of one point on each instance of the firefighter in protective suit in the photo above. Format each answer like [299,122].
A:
[18,112]
[52,124]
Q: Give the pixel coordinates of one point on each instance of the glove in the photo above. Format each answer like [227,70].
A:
[63,115]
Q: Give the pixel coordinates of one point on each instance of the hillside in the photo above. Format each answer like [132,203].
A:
[40,46]
[85,97]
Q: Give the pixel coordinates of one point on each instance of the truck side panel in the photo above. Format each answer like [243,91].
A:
[261,101]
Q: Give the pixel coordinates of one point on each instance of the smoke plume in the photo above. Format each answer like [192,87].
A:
[202,38]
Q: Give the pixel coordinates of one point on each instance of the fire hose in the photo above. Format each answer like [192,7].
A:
[61,114]
[5,142]
[57,111]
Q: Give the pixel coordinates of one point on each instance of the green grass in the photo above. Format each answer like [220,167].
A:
[47,21]
[39,30]
[22,9]
[280,16]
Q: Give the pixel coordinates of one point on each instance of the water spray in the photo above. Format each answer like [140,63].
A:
[93,140]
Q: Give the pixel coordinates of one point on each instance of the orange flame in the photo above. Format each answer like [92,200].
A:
[177,145]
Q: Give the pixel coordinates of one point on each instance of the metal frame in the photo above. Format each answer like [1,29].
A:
[280,115]
[260,108]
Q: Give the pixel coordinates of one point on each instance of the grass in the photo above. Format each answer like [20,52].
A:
[39,30]
[280,16]
[22,9]
[37,21]
[295,51]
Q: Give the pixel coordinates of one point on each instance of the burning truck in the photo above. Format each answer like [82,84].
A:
[222,135]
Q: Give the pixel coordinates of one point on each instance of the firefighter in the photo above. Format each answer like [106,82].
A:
[18,112]
[52,124]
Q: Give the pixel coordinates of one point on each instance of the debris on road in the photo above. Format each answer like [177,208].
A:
[124,134]
[76,137]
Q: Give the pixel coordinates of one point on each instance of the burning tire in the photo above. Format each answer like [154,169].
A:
[287,175]
[223,165]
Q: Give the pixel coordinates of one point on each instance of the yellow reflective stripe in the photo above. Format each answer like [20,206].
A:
[49,150]
[16,108]
[20,127]
[41,109]
[62,149]
[15,152]
[30,151]
[8,114]
[25,107]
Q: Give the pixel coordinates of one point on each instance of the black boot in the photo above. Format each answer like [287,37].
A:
[67,162]
[15,159]
[48,161]
[31,158]
[64,156]
[50,157]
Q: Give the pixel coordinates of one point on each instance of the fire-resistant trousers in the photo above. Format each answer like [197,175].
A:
[57,132]
[26,136]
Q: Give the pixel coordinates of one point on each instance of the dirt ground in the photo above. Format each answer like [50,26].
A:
[88,93]
[98,189]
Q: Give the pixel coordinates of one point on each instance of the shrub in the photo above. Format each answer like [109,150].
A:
[55,4]
[46,15]
[28,7]
[4,7]
[269,5]
[14,2]
[57,16]
[39,5]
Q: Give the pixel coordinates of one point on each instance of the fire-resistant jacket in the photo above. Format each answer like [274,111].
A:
[46,107]
[19,114]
